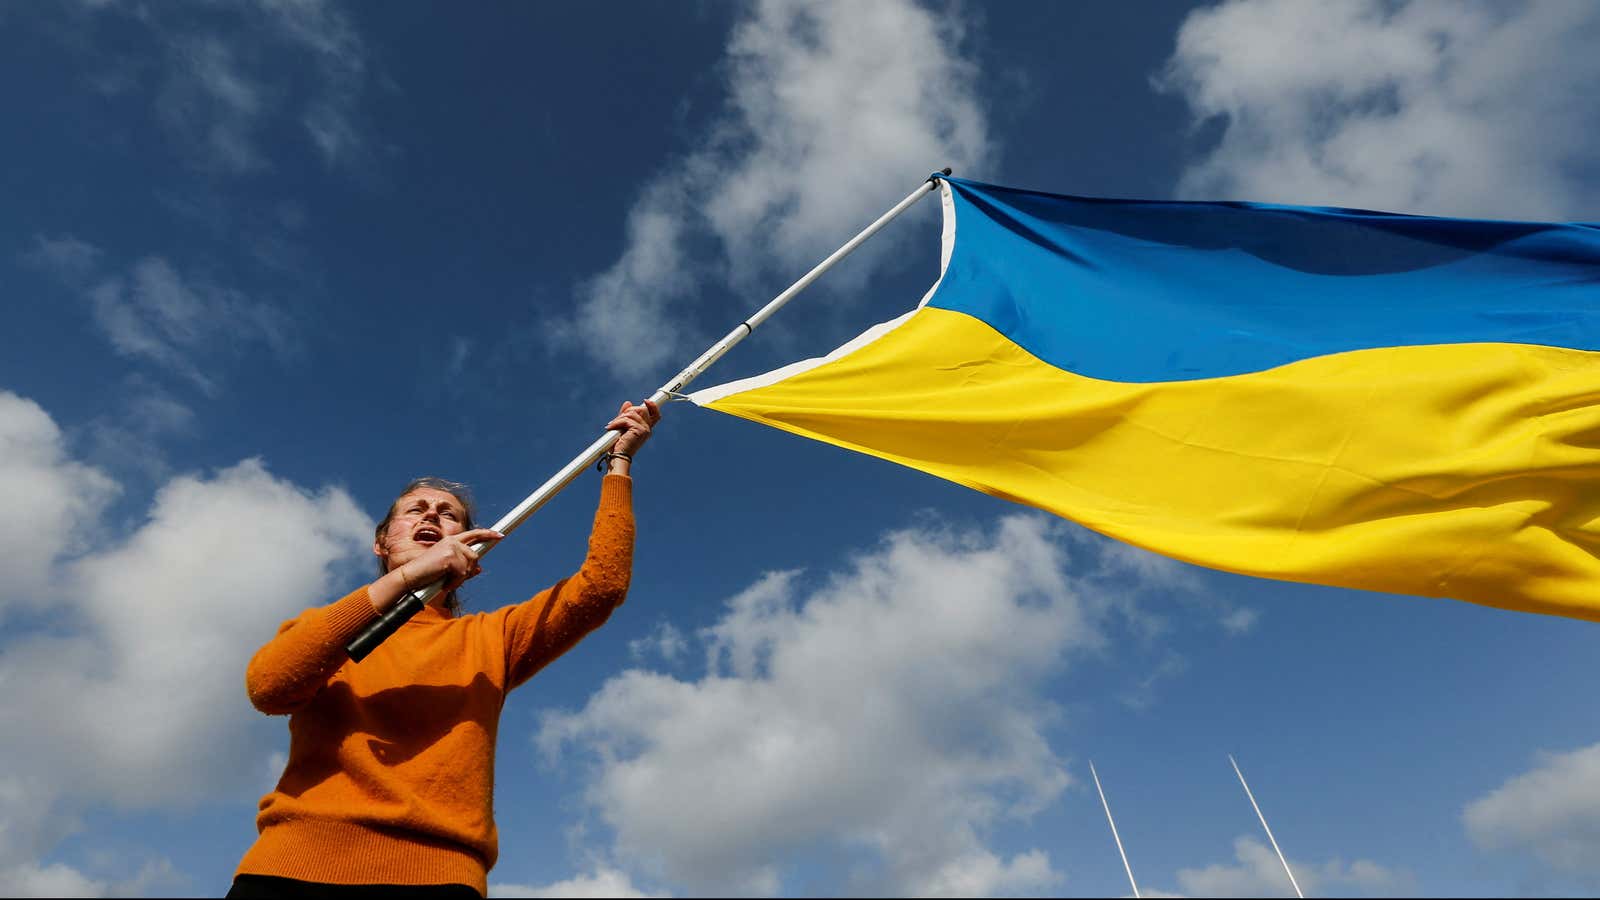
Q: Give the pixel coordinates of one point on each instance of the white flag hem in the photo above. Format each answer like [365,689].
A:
[947,241]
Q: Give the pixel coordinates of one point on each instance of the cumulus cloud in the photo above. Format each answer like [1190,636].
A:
[834,110]
[1471,108]
[624,315]
[29,827]
[1257,872]
[167,618]
[62,499]
[837,104]
[133,696]
[603,882]
[888,718]
[1551,811]
[54,880]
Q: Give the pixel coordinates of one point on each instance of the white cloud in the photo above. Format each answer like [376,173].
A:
[218,84]
[603,882]
[1258,873]
[834,111]
[134,697]
[1141,694]
[887,719]
[1240,621]
[624,317]
[156,314]
[983,874]
[666,642]
[29,827]
[169,617]
[1468,108]
[1552,811]
[1116,565]
[211,105]
[191,327]
[840,104]
[73,261]
[54,880]
[56,499]
[154,411]
[341,57]
[130,437]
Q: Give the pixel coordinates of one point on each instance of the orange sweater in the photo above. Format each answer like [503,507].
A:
[391,760]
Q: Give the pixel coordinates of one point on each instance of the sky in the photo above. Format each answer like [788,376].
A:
[262,263]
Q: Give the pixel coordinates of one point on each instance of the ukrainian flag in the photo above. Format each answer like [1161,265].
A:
[1370,400]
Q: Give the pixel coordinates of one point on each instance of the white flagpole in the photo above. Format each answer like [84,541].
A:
[1114,836]
[1267,827]
[413,602]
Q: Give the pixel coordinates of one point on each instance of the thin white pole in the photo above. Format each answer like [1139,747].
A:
[1267,827]
[1114,836]
[413,602]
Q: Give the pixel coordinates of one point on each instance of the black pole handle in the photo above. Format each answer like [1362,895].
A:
[400,613]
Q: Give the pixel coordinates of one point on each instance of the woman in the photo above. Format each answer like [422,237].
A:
[389,787]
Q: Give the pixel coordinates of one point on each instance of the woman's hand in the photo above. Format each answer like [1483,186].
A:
[634,422]
[451,558]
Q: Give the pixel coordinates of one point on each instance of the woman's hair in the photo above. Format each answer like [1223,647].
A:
[452,603]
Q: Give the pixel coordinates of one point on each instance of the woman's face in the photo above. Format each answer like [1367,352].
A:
[421,519]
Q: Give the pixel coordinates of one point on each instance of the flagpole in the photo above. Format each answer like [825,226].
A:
[412,602]
[1114,836]
[1268,828]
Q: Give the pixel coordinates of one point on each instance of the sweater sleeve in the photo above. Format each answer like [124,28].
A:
[290,669]
[554,620]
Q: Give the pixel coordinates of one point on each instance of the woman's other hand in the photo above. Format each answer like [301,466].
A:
[635,423]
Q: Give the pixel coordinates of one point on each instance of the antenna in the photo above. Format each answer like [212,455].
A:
[1265,826]
[1113,822]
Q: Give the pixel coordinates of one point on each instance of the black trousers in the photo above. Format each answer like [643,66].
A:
[271,887]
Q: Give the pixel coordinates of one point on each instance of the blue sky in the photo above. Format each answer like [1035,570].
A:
[262,263]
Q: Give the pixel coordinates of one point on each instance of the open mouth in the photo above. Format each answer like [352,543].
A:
[427,535]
